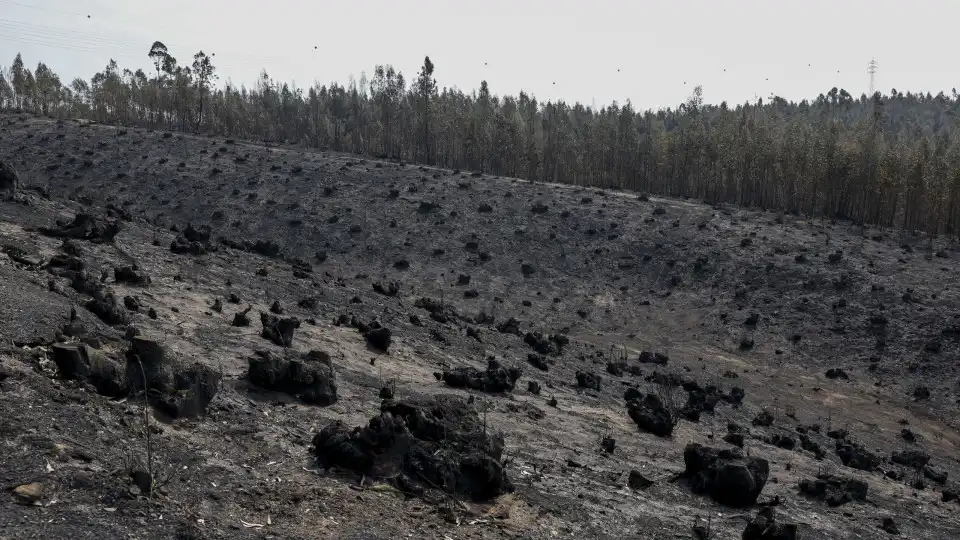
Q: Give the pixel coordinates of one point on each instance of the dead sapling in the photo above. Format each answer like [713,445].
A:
[146,427]
[918,482]
[670,398]
[153,479]
[703,529]
[790,411]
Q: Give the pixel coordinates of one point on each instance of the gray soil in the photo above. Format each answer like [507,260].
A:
[616,273]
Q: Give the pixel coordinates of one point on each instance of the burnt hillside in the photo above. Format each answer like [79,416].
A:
[765,322]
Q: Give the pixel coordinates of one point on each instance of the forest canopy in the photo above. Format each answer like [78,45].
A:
[886,159]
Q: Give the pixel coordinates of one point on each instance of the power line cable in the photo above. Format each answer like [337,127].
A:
[43,31]
[66,45]
[44,8]
[78,38]
[115,52]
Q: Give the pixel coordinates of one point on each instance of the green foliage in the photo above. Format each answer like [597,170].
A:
[426,89]
[48,87]
[159,54]
[18,79]
[204,70]
[889,160]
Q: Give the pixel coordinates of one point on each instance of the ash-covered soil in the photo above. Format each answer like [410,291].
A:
[525,360]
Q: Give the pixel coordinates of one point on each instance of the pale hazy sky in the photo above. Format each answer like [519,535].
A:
[662,49]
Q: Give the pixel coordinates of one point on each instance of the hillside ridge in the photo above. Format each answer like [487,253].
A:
[748,327]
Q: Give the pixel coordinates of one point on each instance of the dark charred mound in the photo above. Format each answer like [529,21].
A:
[735,396]
[650,415]
[780,441]
[85,226]
[103,303]
[181,246]
[387,289]
[510,326]
[311,382]
[421,444]
[636,480]
[194,234]
[813,446]
[9,178]
[379,338]
[647,357]
[725,475]
[589,380]
[240,318]
[63,264]
[115,211]
[935,475]
[426,207]
[888,525]
[698,402]
[834,490]
[22,256]
[764,419]
[131,275]
[704,399]
[735,438]
[495,379]
[172,388]
[83,363]
[855,456]
[551,345]
[266,248]
[764,526]
[301,268]
[309,302]
[915,459]
[439,311]
[192,241]
[538,361]
[618,369]
[668,380]
[278,330]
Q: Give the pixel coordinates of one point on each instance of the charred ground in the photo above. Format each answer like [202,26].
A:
[403,281]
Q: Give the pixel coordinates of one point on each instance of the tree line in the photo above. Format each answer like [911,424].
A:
[886,159]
